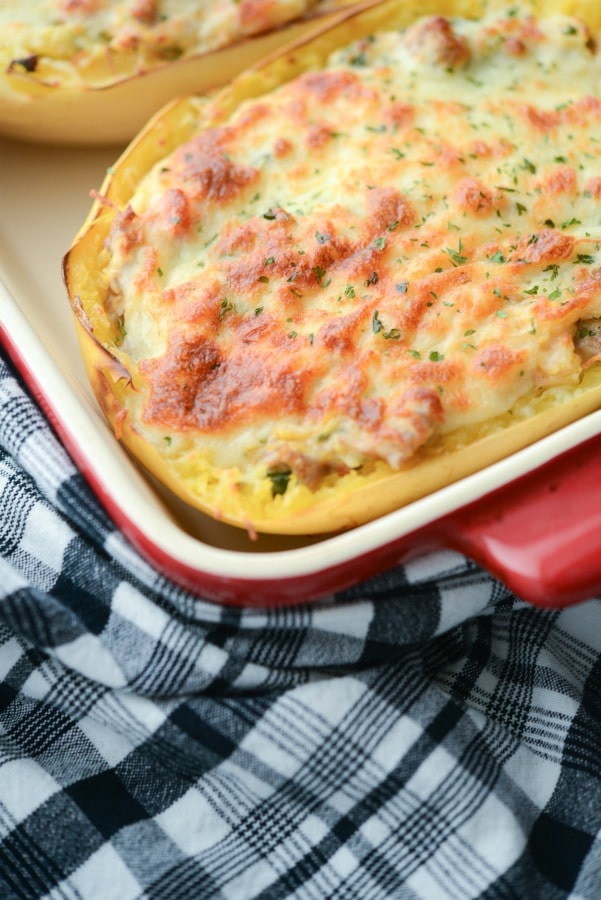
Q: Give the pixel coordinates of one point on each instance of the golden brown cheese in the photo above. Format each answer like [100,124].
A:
[317,304]
[393,248]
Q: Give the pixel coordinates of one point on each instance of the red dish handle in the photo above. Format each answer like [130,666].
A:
[541,534]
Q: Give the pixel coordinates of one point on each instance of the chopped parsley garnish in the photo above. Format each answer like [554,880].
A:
[122,330]
[279,481]
[456,256]
[435,356]
[376,322]
[402,286]
[226,307]
[359,59]
[319,274]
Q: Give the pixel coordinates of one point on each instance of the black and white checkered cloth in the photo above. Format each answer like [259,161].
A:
[425,735]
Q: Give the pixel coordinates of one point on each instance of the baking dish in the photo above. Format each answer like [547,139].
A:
[531,518]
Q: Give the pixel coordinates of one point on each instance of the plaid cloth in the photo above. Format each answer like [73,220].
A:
[426,734]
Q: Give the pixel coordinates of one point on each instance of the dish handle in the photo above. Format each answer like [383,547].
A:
[541,534]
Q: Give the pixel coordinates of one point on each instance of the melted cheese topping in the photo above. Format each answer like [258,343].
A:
[61,37]
[373,256]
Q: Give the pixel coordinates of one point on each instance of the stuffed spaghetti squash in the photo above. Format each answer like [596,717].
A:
[93,71]
[364,270]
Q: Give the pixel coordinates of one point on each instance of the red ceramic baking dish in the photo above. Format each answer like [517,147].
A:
[531,519]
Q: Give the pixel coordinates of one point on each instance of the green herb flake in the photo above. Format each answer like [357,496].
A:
[435,356]
[456,256]
[497,257]
[122,330]
[279,481]
[226,307]
[349,291]
[359,59]
[376,322]
[259,310]
[264,279]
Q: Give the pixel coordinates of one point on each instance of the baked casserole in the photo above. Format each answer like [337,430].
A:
[367,268]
